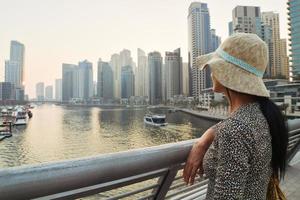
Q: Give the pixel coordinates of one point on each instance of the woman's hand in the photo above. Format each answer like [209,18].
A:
[195,158]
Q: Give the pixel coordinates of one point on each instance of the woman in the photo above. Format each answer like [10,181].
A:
[241,153]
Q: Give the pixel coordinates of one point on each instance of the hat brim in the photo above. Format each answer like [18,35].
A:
[232,76]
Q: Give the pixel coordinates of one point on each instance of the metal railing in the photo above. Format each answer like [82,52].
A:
[148,173]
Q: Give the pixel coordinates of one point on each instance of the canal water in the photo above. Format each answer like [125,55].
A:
[60,132]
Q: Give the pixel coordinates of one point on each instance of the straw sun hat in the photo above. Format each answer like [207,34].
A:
[239,64]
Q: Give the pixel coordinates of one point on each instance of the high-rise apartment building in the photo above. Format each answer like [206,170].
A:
[40,91]
[284,59]
[105,84]
[199,43]
[115,63]
[7,91]
[49,93]
[185,79]
[155,77]
[14,68]
[246,19]
[68,81]
[215,40]
[85,83]
[294,32]
[267,36]
[142,77]
[172,75]
[58,89]
[272,19]
[127,84]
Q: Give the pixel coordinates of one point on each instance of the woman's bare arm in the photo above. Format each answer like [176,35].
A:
[195,158]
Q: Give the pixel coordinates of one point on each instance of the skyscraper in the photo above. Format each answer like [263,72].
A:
[294,32]
[272,19]
[267,36]
[142,74]
[127,81]
[284,59]
[230,28]
[115,63]
[105,82]
[49,92]
[155,77]
[40,91]
[7,91]
[85,80]
[172,80]
[246,19]
[14,68]
[58,89]
[68,86]
[199,43]
[185,79]
[215,40]
[125,58]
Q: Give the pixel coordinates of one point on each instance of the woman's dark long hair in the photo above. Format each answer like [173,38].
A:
[278,130]
[279,133]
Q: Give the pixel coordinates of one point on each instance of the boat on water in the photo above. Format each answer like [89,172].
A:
[155,120]
[4,112]
[20,116]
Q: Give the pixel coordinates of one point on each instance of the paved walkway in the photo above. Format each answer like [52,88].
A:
[203,114]
[291,183]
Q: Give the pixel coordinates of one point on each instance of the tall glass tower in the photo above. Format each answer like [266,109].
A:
[294,34]
[199,43]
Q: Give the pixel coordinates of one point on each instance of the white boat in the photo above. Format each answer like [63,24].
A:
[20,116]
[4,112]
[155,120]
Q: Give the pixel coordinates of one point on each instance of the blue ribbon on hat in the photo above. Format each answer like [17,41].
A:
[239,63]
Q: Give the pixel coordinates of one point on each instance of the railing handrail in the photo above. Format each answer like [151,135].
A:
[32,181]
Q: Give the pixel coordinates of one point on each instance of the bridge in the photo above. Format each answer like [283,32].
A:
[147,173]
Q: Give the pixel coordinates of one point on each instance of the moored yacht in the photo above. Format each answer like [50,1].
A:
[20,116]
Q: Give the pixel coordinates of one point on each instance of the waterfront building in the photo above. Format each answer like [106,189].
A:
[7,91]
[40,91]
[127,77]
[284,59]
[199,43]
[230,28]
[105,83]
[14,68]
[95,85]
[49,93]
[85,81]
[69,84]
[246,19]
[215,40]
[172,75]
[115,63]
[267,36]
[125,58]
[155,77]
[294,32]
[185,79]
[58,89]
[142,74]
[272,19]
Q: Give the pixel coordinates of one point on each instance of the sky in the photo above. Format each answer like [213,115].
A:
[69,31]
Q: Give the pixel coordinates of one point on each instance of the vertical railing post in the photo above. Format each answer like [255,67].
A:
[165,183]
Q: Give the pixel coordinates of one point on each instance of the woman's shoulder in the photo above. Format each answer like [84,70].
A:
[233,127]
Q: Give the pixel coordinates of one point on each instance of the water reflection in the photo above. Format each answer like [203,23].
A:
[57,133]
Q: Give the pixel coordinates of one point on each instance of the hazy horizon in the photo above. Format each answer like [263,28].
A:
[66,31]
